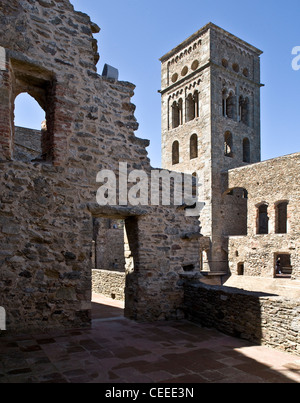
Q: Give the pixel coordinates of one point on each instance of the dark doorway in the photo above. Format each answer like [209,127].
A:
[286,267]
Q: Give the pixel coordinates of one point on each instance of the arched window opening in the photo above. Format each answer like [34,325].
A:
[190,108]
[196,101]
[281,218]
[224,101]
[244,110]
[175,115]
[30,129]
[175,153]
[230,106]
[35,91]
[194,146]
[246,150]
[180,103]
[228,144]
[263,219]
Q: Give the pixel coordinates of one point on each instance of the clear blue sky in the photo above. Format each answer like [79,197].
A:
[136,33]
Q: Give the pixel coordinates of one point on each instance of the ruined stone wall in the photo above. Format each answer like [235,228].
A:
[47,207]
[263,319]
[268,182]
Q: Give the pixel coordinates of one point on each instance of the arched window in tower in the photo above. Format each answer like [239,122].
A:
[175,115]
[244,110]
[196,101]
[190,108]
[224,99]
[194,146]
[228,144]
[281,217]
[175,153]
[180,108]
[246,150]
[30,127]
[262,219]
[231,105]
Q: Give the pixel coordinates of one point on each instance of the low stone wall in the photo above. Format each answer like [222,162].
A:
[109,283]
[254,316]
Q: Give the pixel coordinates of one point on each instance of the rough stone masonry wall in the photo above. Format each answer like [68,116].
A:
[47,208]
[270,182]
[257,317]
[109,283]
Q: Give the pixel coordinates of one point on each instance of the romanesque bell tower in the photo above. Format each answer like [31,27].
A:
[211,123]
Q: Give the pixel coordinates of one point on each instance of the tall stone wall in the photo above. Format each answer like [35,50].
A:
[47,207]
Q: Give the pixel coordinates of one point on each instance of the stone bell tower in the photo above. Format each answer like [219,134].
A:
[210,91]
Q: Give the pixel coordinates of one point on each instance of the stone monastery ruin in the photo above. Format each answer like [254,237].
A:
[58,243]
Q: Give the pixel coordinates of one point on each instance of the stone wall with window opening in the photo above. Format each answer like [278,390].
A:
[273,218]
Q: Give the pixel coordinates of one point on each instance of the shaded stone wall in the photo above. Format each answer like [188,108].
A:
[47,207]
[109,283]
[109,247]
[263,319]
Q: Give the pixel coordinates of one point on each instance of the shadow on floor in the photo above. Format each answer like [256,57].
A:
[101,311]
[117,350]
[104,308]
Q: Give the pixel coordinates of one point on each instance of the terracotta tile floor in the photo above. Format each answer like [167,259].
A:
[116,350]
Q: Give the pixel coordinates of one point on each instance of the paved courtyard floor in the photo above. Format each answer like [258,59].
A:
[117,350]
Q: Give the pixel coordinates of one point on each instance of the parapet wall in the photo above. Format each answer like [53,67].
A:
[258,317]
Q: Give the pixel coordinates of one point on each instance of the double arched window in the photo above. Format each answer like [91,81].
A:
[229,104]
[231,110]
[176,114]
[281,218]
[192,106]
